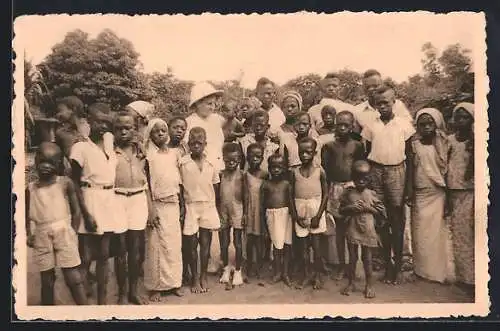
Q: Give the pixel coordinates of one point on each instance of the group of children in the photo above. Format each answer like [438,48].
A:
[288,187]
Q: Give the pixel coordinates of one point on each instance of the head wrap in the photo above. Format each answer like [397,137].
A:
[142,108]
[294,95]
[440,141]
[149,146]
[467,106]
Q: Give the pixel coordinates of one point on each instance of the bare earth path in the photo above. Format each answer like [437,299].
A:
[417,292]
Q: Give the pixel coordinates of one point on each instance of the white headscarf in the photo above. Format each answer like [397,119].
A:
[149,146]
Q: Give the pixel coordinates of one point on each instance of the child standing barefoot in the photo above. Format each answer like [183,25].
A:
[278,205]
[232,211]
[361,207]
[254,219]
[310,191]
[460,182]
[163,263]
[133,203]
[200,181]
[52,204]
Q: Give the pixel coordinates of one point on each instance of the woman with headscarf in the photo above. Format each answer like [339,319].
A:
[460,182]
[163,263]
[427,189]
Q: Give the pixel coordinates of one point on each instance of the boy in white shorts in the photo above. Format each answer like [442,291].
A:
[278,205]
[132,205]
[93,171]
[311,195]
[200,182]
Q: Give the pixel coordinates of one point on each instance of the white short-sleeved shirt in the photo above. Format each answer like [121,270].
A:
[365,113]
[198,184]
[215,136]
[276,118]
[96,167]
[315,111]
[388,141]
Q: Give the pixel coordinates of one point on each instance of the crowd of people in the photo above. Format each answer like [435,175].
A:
[300,188]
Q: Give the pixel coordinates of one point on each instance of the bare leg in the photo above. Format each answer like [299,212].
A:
[301,243]
[73,279]
[318,265]
[397,238]
[48,280]
[224,240]
[351,272]
[366,255]
[251,239]
[186,253]
[85,249]
[238,247]
[385,237]
[205,243]
[277,257]
[286,264]
[340,242]
[121,268]
[134,265]
[102,269]
[193,263]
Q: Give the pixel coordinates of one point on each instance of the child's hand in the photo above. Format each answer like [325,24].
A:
[90,223]
[243,221]
[315,222]
[30,241]
[301,221]
[153,219]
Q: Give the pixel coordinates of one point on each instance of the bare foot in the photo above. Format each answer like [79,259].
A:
[287,280]
[339,275]
[136,300]
[369,292]
[92,277]
[204,284]
[398,280]
[196,289]
[317,283]
[386,278]
[155,296]
[350,288]
[276,279]
[178,292]
[300,284]
[88,289]
[413,278]
[229,286]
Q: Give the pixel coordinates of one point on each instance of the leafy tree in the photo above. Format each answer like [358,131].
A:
[104,69]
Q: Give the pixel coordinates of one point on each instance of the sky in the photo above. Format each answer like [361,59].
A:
[280,47]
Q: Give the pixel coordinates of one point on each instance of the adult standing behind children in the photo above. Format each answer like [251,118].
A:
[366,111]
[329,88]
[266,92]
[93,171]
[203,101]
[389,148]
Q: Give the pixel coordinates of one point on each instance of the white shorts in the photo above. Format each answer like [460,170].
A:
[102,205]
[279,223]
[132,211]
[200,215]
[308,208]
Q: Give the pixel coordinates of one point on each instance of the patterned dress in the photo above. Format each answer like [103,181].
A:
[462,213]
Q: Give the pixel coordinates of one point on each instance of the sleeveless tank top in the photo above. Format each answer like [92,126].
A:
[307,187]
[48,204]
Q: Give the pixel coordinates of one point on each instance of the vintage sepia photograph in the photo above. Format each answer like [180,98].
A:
[245,166]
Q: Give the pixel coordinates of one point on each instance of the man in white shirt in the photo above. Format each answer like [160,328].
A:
[365,112]
[329,88]
[265,92]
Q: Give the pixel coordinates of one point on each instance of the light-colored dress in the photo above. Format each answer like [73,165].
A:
[163,265]
[462,213]
[428,229]
[253,221]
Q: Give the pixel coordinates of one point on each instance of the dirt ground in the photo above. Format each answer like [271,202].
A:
[253,293]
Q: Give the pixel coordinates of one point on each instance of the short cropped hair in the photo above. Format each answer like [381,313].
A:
[331,75]
[175,119]
[264,81]
[345,113]
[308,140]
[360,166]
[275,157]
[229,148]
[253,146]
[384,88]
[74,103]
[99,107]
[303,113]
[197,131]
[260,113]
[370,73]
[328,109]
